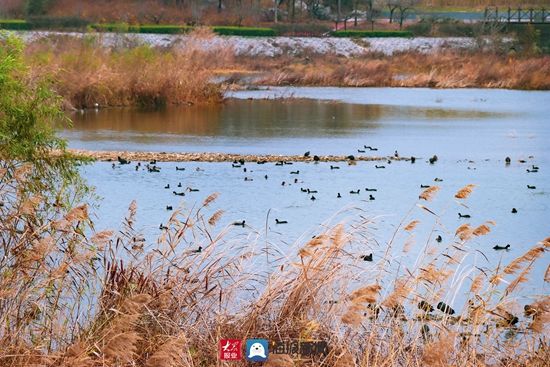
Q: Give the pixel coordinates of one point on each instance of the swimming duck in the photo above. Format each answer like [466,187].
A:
[367,189]
[316,158]
[306,154]
[507,160]
[463,215]
[311,191]
[302,189]
[371,197]
[241,223]
[395,154]
[154,161]
[354,192]
[235,165]
[360,151]
[522,161]
[199,250]
[179,193]
[295,180]
[168,207]
[283,183]
[445,308]
[294,172]
[137,168]
[192,190]
[514,210]
[531,187]
[261,162]
[162,227]
[113,166]
[179,184]
[241,161]
[377,166]
[122,160]
[280,221]
[313,197]
[280,163]
[167,186]
[248,179]
[370,148]
[338,196]
[425,306]
[265,177]
[351,157]
[366,257]
[433,159]
[180,168]
[288,163]
[532,170]
[244,169]
[413,159]
[424,186]
[437,179]
[498,247]
[535,167]
[334,167]
[439,239]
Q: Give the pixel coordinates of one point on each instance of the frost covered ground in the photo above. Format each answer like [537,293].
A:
[272,46]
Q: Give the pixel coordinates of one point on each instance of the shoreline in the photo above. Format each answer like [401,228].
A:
[111,156]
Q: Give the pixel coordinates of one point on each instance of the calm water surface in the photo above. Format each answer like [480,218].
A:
[471,131]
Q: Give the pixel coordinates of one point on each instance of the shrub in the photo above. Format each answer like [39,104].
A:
[15,25]
[372,34]
[244,31]
[164,29]
[307,29]
[422,28]
[57,22]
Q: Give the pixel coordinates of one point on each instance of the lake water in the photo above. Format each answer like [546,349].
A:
[471,131]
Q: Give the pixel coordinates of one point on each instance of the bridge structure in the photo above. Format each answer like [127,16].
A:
[517,15]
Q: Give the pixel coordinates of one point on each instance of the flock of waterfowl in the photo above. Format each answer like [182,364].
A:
[240,163]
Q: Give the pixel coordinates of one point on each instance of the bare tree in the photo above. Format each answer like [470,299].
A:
[403,7]
[373,10]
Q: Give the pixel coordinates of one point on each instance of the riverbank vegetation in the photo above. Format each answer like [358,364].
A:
[88,74]
[75,295]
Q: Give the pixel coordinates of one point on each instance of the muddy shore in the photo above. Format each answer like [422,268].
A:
[108,156]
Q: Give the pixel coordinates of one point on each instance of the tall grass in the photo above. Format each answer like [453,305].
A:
[72,296]
[445,69]
[85,73]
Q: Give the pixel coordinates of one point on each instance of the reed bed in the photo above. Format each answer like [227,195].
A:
[88,75]
[445,69]
[74,296]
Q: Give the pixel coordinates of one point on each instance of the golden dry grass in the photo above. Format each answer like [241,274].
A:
[115,299]
[446,69]
[85,73]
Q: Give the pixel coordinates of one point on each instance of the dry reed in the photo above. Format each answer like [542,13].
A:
[72,299]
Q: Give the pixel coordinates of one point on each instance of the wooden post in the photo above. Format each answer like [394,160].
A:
[509,14]
[519,15]
[531,15]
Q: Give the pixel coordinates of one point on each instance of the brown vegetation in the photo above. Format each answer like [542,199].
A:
[85,73]
[446,69]
[69,298]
